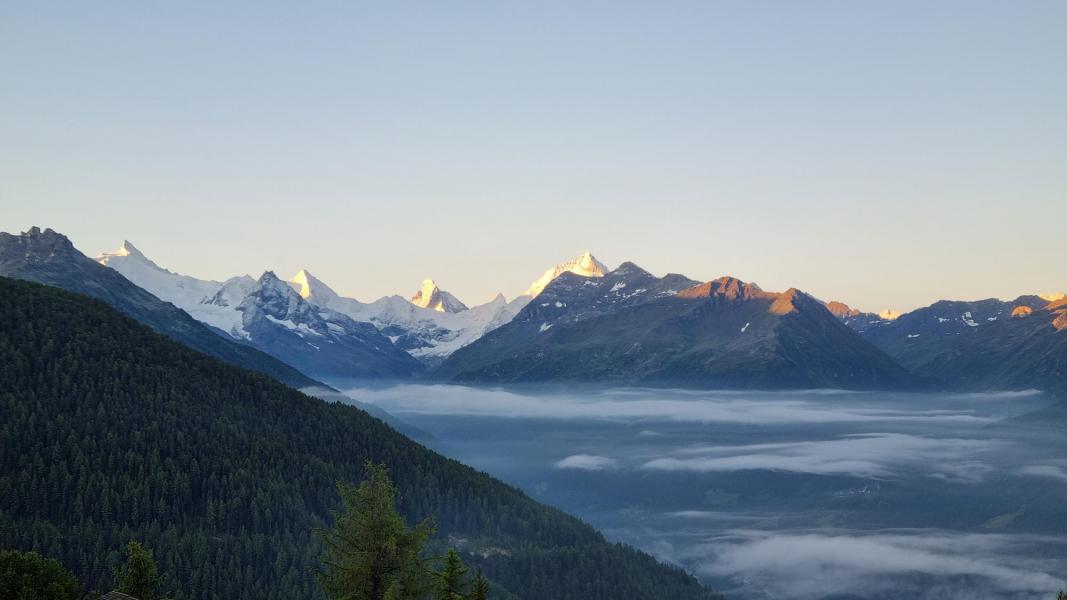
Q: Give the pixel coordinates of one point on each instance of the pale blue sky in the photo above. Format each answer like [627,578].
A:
[883,153]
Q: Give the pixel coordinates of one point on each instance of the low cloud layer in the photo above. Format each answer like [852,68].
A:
[587,462]
[1049,471]
[664,405]
[883,565]
[876,455]
[685,442]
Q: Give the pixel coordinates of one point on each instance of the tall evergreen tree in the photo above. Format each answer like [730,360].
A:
[452,581]
[370,554]
[139,577]
[479,587]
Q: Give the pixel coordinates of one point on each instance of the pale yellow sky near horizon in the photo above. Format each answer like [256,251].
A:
[510,294]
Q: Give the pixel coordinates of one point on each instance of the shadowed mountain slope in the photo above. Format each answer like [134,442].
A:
[630,327]
[981,345]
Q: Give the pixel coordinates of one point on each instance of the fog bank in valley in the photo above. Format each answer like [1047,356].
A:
[783,494]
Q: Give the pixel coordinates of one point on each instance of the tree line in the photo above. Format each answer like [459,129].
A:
[368,554]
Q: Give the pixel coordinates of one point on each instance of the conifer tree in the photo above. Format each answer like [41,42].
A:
[139,577]
[370,553]
[452,579]
[479,587]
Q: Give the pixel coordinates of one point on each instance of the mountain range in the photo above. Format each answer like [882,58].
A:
[580,321]
[305,323]
[977,345]
[631,327]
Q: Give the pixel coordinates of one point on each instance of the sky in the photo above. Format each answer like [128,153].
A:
[883,154]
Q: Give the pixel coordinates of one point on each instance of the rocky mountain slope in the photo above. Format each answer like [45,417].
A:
[980,345]
[319,341]
[630,327]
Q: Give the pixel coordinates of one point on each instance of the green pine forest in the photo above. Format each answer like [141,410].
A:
[111,432]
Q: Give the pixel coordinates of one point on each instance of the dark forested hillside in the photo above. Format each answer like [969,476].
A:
[50,258]
[110,431]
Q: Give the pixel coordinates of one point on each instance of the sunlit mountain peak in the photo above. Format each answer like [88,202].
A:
[584,264]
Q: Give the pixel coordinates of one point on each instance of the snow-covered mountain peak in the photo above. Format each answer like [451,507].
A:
[141,270]
[276,299]
[125,251]
[309,286]
[211,302]
[584,264]
[270,285]
[302,280]
[425,294]
[128,249]
[232,292]
[268,278]
[432,297]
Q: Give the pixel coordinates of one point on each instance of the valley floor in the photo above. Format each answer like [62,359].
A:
[784,494]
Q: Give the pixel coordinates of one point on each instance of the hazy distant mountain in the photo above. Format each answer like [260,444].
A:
[429,326]
[212,302]
[842,311]
[48,257]
[271,315]
[856,319]
[981,345]
[630,327]
[427,333]
[423,332]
